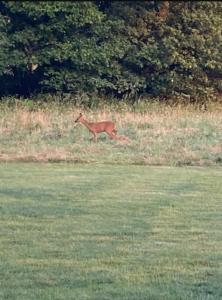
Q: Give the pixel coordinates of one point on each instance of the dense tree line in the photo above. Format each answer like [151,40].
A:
[120,48]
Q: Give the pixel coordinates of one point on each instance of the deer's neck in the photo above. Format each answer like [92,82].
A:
[86,123]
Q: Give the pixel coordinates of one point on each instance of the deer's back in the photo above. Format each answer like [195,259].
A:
[102,126]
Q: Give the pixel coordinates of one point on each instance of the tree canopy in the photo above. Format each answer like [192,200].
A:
[125,49]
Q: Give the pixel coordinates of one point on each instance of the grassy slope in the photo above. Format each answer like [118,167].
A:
[109,232]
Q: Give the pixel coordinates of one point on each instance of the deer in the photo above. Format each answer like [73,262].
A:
[98,127]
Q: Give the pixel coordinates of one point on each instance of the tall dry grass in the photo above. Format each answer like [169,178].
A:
[158,135]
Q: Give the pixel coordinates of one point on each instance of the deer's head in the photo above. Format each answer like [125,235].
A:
[79,118]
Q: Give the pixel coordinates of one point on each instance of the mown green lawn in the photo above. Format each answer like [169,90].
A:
[110,232]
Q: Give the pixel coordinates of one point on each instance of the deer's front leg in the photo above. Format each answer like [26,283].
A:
[94,137]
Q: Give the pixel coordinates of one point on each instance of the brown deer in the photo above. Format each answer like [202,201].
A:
[94,128]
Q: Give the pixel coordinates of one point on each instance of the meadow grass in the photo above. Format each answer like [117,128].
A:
[76,231]
[158,134]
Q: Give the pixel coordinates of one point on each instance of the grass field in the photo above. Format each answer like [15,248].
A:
[158,134]
[72,231]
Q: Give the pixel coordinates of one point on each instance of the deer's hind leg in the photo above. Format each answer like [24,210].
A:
[111,135]
[114,131]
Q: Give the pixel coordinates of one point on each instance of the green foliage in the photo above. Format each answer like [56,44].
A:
[4,44]
[108,48]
